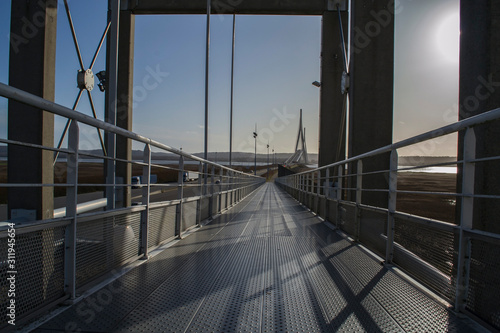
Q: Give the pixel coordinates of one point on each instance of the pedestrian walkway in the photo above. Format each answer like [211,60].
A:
[266,265]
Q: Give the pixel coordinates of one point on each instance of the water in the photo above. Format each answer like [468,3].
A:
[437,169]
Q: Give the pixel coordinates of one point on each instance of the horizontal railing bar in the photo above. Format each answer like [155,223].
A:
[426,221]
[449,194]
[378,172]
[32,226]
[109,213]
[83,207]
[484,235]
[32,145]
[485,159]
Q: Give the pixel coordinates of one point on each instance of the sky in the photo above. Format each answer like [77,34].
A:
[276,60]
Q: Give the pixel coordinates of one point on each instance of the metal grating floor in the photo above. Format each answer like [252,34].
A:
[267,265]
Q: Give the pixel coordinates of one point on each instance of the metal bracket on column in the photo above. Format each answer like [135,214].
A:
[332,5]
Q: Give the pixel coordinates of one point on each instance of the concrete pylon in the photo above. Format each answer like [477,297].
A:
[32,69]
[371,91]
[331,98]
[480,92]
[124,108]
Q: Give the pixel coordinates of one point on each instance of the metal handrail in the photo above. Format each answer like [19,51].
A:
[43,104]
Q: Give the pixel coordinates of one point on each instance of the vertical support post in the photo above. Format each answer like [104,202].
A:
[230,187]
[339,190]
[327,187]
[359,195]
[200,202]
[318,188]
[326,192]
[478,93]
[317,204]
[466,217]
[299,186]
[71,204]
[124,110]
[220,188]
[180,196]
[211,200]
[146,197]
[393,187]
[32,69]
[311,191]
[371,95]
[111,98]
[331,98]
[232,98]
[303,188]
[207,67]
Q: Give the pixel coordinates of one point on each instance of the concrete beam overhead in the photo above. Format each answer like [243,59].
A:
[250,7]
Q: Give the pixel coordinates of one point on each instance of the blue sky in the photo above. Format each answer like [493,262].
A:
[277,58]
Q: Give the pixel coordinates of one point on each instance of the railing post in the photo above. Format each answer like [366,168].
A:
[219,190]
[326,192]
[180,196]
[318,189]
[466,219]
[359,194]
[304,189]
[71,204]
[299,187]
[230,188]
[393,187]
[311,190]
[201,194]
[339,194]
[211,200]
[146,191]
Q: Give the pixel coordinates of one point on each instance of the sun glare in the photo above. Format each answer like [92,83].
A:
[447,37]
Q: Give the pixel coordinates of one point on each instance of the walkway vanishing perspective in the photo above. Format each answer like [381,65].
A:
[266,265]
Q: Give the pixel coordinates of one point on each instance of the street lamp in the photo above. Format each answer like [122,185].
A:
[267,159]
[316,84]
[255,159]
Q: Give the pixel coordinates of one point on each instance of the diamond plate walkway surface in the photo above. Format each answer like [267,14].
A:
[266,265]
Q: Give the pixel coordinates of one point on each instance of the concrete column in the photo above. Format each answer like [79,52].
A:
[124,104]
[32,68]
[480,92]
[331,98]
[371,91]
[111,100]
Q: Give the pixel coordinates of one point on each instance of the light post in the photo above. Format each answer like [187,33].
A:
[255,159]
[267,159]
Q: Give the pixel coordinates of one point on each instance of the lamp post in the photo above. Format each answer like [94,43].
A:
[267,159]
[255,159]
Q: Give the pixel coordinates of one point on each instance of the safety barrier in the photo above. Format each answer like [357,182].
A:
[58,258]
[458,259]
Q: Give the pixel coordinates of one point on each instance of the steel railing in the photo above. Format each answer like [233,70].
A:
[456,259]
[60,256]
